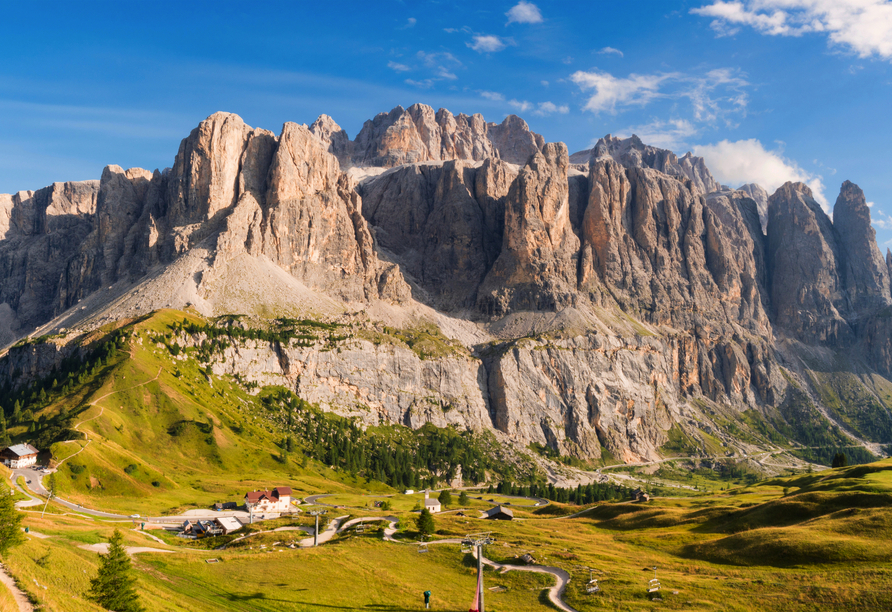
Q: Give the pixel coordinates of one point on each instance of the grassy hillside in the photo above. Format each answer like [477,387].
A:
[139,424]
[819,541]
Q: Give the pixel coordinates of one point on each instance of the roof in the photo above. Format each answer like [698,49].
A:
[229,523]
[499,510]
[254,497]
[431,502]
[23,450]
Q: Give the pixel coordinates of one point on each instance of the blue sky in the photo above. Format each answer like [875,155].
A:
[766,90]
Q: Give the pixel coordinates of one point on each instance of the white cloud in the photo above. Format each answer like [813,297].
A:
[609,50]
[862,26]
[610,91]
[410,23]
[672,134]
[492,95]
[524,12]
[544,83]
[398,67]
[871,204]
[883,221]
[443,73]
[547,108]
[487,43]
[434,59]
[522,106]
[425,84]
[747,161]
[717,94]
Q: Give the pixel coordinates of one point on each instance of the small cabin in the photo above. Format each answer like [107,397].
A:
[499,513]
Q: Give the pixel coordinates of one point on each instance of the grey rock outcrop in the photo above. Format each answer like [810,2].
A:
[803,255]
[632,153]
[536,269]
[334,137]
[760,197]
[863,270]
[418,134]
[514,141]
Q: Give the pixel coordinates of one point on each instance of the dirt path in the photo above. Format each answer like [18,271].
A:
[131,550]
[93,403]
[17,595]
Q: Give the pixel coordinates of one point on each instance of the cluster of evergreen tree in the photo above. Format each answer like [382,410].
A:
[225,331]
[18,404]
[581,495]
[420,458]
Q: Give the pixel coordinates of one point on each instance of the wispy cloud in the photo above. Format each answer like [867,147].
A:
[423,84]
[548,108]
[611,92]
[748,161]
[861,26]
[410,23]
[492,95]
[398,67]
[487,43]
[438,58]
[524,12]
[522,106]
[717,94]
[609,51]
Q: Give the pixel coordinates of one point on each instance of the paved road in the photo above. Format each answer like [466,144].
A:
[555,593]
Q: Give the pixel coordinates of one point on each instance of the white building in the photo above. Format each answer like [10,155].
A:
[19,456]
[432,505]
[277,500]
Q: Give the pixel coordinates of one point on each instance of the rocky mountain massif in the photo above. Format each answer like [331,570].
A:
[616,299]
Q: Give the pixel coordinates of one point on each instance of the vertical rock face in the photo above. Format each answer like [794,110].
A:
[760,197]
[334,137]
[658,249]
[514,141]
[536,269]
[41,233]
[417,134]
[119,206]
[807,293]
[444,223]
[863,270]
[632,153]
[204,179]
[314,227]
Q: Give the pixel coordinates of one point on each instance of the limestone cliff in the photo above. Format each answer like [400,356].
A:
[602,299]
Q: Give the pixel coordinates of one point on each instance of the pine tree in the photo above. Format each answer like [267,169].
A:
[425,522]
[113,587]
[445,498]
[839,460]
[10,521]
[463,499]
[4,435]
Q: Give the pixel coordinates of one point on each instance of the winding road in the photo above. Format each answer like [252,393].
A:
[555,593]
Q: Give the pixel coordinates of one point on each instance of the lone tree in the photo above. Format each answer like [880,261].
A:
[445,498]
[425,522]
[113,587]
[463,499]
[10,523]
[839,460]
